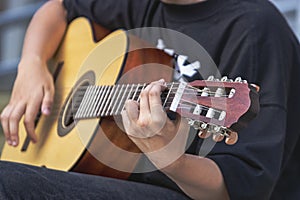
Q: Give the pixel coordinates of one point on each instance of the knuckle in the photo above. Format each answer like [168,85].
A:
[49,88]
[144,93]
[143,122]
[28,121]
[13,134]
[14,117]
[4,117]
[153,93]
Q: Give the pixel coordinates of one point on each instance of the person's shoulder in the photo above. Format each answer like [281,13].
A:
[261,13]
[260,18]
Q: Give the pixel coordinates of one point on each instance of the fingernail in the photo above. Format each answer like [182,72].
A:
[14,143]
[46,111]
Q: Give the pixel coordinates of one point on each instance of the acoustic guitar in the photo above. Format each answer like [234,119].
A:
[94,78]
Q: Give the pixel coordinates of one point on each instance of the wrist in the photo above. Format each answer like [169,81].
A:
[175,166]
[31,61]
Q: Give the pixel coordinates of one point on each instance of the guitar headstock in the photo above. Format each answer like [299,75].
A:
[218,108]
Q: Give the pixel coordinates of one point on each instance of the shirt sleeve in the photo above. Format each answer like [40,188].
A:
[261,49]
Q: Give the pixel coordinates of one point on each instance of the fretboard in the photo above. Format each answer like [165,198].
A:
[100,101]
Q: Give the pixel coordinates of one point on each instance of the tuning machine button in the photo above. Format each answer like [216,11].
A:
[215,131]
[238,79]
[231,93]
[231,137]
[224,79]
[211,78]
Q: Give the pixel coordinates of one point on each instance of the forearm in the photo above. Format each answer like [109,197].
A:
[45,31]
[198,177]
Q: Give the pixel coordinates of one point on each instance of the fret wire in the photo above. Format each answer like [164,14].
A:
[112,101]
[116,99]
[95,101]
[105,100]
[108,102]
[135,92]
[88,102]
[128,96]
[84,102]
[167,97]
[98,100]
[91,101]
[78,110]
[143,87]
[121,102]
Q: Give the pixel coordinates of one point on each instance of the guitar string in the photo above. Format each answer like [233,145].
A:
[203,108]
[127,93]
[82,90]
[168,103]
[81,94]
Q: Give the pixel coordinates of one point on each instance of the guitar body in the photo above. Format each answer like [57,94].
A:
[94,146]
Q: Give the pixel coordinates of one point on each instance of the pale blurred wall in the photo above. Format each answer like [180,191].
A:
[291,10]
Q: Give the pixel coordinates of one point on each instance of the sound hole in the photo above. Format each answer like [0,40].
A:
[66,120]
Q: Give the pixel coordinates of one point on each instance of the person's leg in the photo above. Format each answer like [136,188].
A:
[18,181]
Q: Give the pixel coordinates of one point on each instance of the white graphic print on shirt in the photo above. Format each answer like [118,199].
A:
[182,66]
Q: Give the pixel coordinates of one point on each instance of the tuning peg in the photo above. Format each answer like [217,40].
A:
[224,79]
[211,78]
[205,92]
[203,134]
[220,92]
[257,88]
[222,115]
[210,113]
[215,132]
[217,137]
[238,79]
[231,93]
[203,127]
[231,137]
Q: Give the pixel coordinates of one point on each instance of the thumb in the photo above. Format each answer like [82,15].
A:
[47,100]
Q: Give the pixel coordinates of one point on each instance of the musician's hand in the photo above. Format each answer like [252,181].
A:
[147,125]
[33,90]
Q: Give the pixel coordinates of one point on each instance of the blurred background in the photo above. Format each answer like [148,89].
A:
[15,16]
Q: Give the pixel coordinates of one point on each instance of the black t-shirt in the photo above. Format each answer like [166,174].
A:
[247,38]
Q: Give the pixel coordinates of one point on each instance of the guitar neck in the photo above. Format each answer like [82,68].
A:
[99,101]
